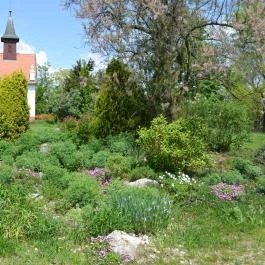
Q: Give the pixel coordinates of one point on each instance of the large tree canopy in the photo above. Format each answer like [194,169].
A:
[176,43]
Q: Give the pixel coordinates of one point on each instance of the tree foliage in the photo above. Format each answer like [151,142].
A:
[14,109]
[120,106]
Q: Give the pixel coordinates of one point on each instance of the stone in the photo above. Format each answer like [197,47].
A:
[142,183]
[44,148]
[126,245]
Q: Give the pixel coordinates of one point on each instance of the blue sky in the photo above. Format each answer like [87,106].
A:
[44,27]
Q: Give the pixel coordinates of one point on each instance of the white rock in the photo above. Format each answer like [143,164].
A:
[126,245]
[44,148]
[142,183]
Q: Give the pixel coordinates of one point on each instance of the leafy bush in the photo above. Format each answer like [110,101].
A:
[172,146]
[212,179]
[118,166]
[232,177]
[69,124]
[247,168]
[35,160]
[73,161]
[6,174]
[62,149]
[56,177]
[261,184]
[100,158]
[82,190]
[141,172]
[14,109]
[104,220]
[123,143]
[228,122]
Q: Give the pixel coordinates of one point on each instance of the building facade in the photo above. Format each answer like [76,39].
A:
[11,61]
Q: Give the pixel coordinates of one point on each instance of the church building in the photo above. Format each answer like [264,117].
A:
[11,61]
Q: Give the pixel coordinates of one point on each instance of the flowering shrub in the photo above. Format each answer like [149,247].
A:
[227,192]
[179,185]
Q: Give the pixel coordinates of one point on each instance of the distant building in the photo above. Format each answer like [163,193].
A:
[11,61]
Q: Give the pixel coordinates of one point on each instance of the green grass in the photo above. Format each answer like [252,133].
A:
[202,230]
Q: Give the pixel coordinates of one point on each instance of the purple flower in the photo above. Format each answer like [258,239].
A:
[227,192]
[96,172]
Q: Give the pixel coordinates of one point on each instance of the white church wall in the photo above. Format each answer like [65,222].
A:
[31,100]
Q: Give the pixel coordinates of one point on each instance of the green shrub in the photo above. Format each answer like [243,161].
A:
[69,124]
[56,176]
[120,105]
[8,159]
[104,220]
[247,168]
[3,146]
[62,149]
[73,161]
[14,109]
[212,179]
[228,122]
[118,166]
[142,172]
[232,177]
[123,143]
[82,190]
[100,158]
[173,147]
[35,160]
[94,144]
[6,174]
[261,184]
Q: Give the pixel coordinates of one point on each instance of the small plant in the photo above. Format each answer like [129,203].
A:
[146,209]
[118,166]
[142,172]
[81,191]
[123,143]
[261,184]
[100,158]
[96,172]
[232,177]
[227,192]
[180,185]
[6,174]
[247,168]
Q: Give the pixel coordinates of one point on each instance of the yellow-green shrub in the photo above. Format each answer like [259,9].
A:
[14,109]
[173,146]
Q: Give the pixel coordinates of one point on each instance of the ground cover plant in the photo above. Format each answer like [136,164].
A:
[67,206]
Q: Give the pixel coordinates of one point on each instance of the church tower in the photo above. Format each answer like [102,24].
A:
[10,40]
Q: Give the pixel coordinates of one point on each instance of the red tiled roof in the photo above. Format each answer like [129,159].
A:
[23,62]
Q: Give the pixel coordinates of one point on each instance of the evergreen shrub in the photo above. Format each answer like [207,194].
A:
[14,109]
